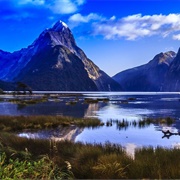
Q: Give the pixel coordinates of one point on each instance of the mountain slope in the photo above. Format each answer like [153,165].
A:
[172,79]
[7,86]
[56,68]
[55,62]
[148,77]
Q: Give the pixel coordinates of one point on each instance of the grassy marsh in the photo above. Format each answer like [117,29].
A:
[95,100]
[124,124]
[92,161]
[47,159]
[28,101]
[18,123]
[65,159]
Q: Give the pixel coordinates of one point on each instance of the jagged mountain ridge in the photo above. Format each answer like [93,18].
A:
[55,62]
[172,80]
[148,77]
[64,71]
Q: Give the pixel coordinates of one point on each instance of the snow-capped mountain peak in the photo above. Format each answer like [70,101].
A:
[54,62]
[60,25]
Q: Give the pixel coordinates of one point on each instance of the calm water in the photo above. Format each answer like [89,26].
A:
[144,105]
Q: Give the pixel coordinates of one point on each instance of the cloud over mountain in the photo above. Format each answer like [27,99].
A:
[13,9]
[138,26]
[131,27]
[85,19]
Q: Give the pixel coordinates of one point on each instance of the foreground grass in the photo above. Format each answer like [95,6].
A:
[18,123]
[87,161]
[44,168]
[22,158]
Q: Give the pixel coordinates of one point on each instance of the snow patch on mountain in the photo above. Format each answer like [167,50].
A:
[60,26]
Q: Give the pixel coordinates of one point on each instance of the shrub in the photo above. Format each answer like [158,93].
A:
[109,167]
[43,168]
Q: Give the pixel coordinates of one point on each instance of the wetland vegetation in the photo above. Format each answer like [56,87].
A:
[47,159]
[18,123]
[25,158]
[123,124]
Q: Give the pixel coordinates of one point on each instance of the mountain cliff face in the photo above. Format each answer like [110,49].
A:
[148,77]
[56,68]
[172,79]
[55,62]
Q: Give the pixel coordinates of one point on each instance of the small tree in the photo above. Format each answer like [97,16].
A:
[23,87]
[1,91]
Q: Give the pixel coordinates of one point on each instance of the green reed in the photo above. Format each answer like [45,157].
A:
[94,161]
[17,123]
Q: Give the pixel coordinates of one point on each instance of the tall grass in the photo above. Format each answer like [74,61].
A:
[94,161]
[124,124]
[159,163]
[28,101]
[17,123]
[48,159]
[110,167]
[43,168]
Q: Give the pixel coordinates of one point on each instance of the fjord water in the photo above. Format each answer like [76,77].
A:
[140,106]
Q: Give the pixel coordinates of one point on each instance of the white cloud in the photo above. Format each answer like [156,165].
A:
[49,9]
[56,6]
[34,2]
[78,18]
[130,27]
[176,37]
[63,6]
[113,18]
[80,2]
[137,26]
[85,21]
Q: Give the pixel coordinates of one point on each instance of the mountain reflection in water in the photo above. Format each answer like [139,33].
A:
[58,134]
[129,106]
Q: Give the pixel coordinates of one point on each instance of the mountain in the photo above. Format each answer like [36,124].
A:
[54,62]
[7,86]
[172,80]
[148,77]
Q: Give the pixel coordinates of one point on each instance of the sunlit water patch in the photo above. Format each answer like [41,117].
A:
[128,106]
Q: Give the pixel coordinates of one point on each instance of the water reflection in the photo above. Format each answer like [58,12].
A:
[58,134]
[92,109]
[129,107]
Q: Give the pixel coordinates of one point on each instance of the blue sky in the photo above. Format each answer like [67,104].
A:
[115,34]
